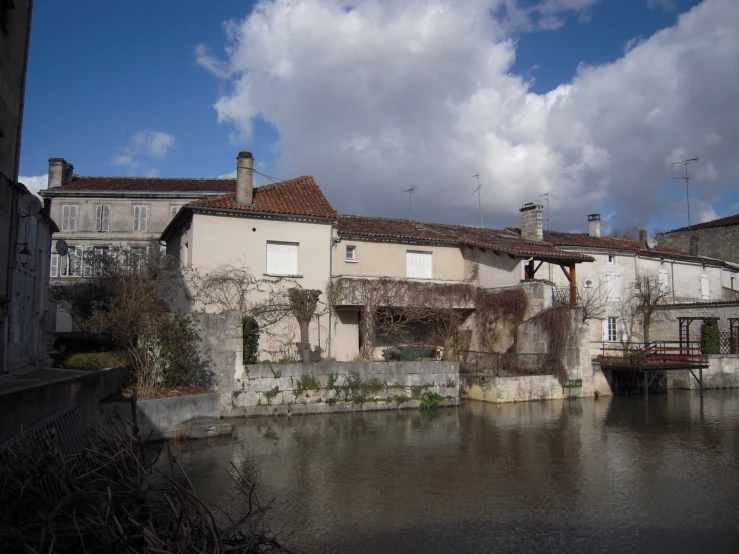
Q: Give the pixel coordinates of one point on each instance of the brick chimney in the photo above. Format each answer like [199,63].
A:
[60,172]
[594,225]
[244,178]
[532,225]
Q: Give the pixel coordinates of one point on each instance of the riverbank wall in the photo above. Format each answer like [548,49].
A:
[294,389]
[722,373]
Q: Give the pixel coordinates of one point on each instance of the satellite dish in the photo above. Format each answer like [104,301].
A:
[62,247]
[650,243]
[28,205]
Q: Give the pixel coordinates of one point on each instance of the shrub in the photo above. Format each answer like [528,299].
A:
[178,354]
[90,361]
[711,337]
[430,401]
[251,340]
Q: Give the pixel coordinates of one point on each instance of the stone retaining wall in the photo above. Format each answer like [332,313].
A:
[284,389]
[722,373]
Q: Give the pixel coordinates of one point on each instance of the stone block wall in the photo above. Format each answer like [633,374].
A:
[664,324]
[284,389]
[715,242]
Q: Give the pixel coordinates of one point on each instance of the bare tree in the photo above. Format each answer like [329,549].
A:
[591,298]
[648,294]
[628,233]
[303,304]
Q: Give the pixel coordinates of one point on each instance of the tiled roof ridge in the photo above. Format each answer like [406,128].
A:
[720,222]
[144,178]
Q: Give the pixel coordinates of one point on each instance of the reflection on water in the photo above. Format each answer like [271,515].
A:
[615,474]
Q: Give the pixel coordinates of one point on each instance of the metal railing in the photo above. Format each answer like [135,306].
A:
[654,355]
[561,295]
[506,364]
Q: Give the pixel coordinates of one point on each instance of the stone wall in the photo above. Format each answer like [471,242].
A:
[715,242]
[665,326]
[721,373]
[290,389]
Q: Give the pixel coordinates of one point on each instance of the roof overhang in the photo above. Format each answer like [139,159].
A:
[184,195]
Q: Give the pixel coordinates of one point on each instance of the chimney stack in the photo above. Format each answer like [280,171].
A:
[643,239]
[532,224]
[694,249]
[594,225]
[244,178]
[60,172]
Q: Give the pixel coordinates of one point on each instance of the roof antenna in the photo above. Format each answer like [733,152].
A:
[687,181]
[410,190]
[545,196]
[479,202]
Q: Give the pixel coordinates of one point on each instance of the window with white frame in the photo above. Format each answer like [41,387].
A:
[705,287]
[664,282]
[70,265]
[102,218]
[69,217]
[611,258]
[351,253]
[140,218]
[282,258]
[173,211]
[613,284]
[418,265]
[610,329]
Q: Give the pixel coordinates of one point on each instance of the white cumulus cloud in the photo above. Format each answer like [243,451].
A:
[35,184]
[373,97]
[144,147]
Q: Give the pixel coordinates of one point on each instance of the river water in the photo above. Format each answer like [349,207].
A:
[608,475]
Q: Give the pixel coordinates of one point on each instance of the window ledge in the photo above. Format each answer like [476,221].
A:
[279,275]
[351,261]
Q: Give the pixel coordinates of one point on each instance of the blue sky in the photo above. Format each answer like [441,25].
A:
[118,89]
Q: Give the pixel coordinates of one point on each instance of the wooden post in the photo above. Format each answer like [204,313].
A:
[573,286]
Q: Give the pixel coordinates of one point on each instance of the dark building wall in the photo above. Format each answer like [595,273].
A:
[714,242]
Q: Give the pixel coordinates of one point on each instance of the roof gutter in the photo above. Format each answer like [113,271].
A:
[51,193]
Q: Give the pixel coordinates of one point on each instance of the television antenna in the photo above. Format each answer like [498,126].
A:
[545,196]
[410,190]
[479,202]
[687,181]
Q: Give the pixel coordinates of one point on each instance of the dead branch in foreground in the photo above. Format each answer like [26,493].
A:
[110,498]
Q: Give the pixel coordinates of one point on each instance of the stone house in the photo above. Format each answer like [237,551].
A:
[714,239]
[280,233]
[607,286]
[103,212]
[374,248]
[25,228]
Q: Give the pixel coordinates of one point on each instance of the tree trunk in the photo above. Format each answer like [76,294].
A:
[304,341]
[646,330]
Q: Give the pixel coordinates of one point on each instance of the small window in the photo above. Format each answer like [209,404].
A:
[140,218]
[612,329]
[282,258]
[664,282]
[102,218]
[69,218]
[611,258]
[173,211]
[418,265]
[351,253]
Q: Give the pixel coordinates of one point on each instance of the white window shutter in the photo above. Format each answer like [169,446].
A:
[604,329]
[98,218]
[54,270]
[282,258]
[73,218]
[105,221]
[65,218]
[418,265]
[705,287]
[624,331]
[664,282]
[173,211]
[144,218]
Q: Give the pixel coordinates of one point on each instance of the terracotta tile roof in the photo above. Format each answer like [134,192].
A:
[723,222]
[582,240]
[146,184]
[504,241]
[299,196]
